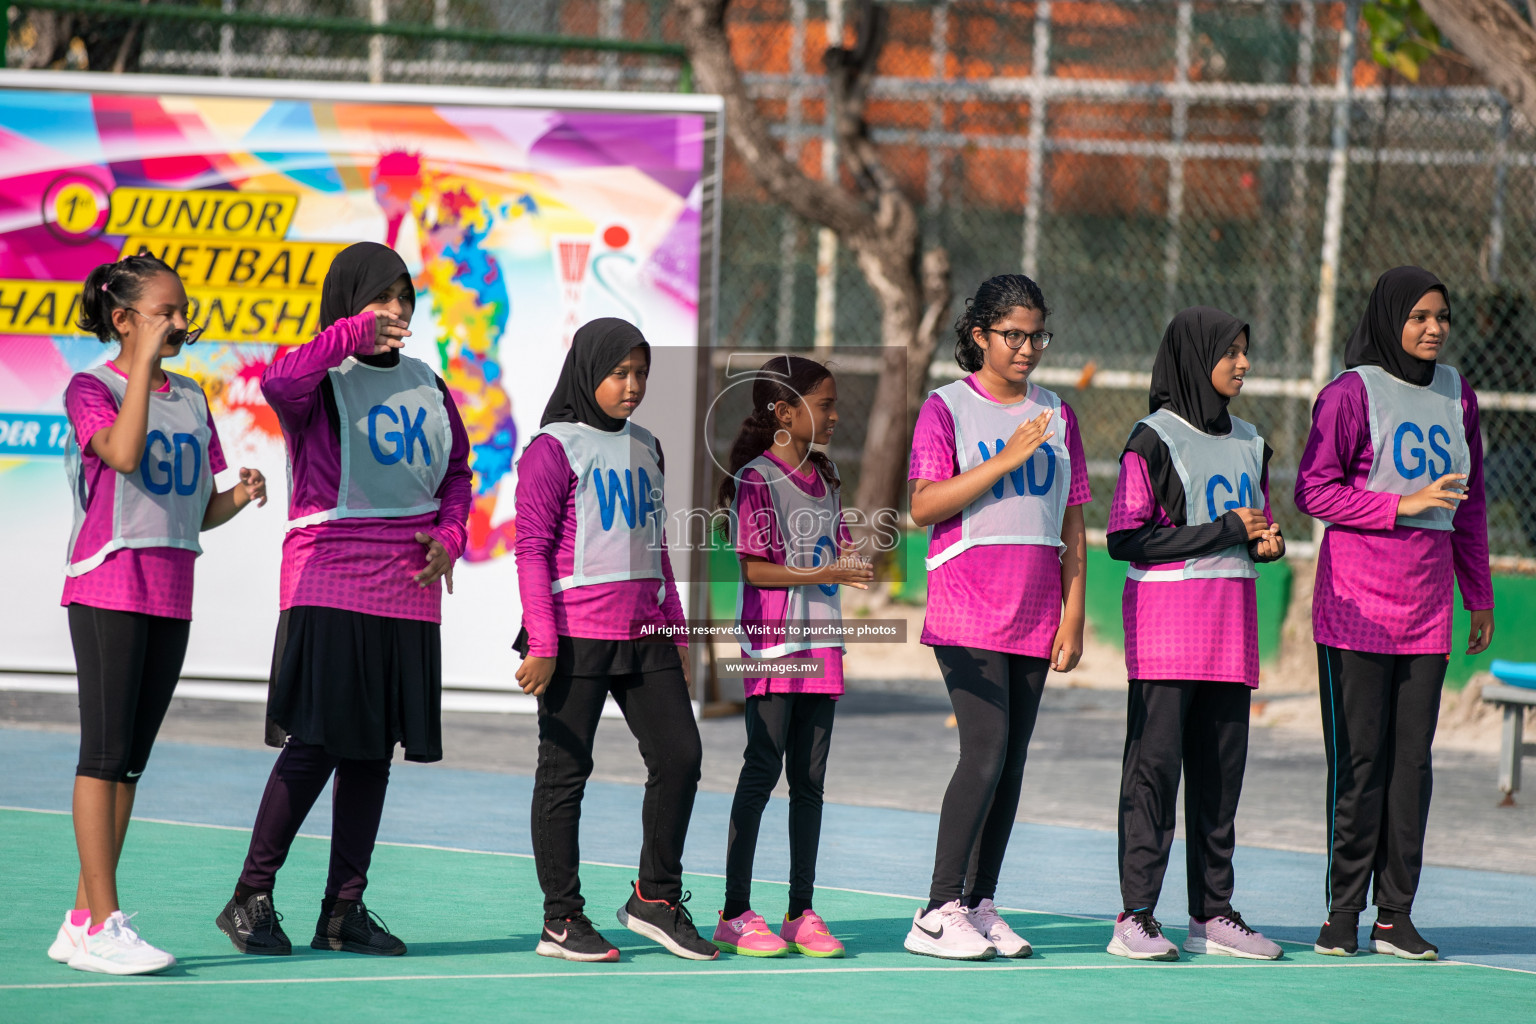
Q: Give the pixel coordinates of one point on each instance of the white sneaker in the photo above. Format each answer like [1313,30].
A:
[947,933]
[994,929]
[117,949]
[68,940]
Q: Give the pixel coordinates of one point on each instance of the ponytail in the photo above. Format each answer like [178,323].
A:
[113,286]
[781,379]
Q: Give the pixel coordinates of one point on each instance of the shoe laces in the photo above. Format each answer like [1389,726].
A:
[374,921]
[1237,921]
[954,914]
[680,910]
[984,916]
[122,927]
[1147,923]
[579,924]
[263,913]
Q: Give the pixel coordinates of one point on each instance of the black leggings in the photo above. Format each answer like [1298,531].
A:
[789,732]
[357,804]
[996,698]
[1379,718]
[128,664]
[657,708]
[1203,726]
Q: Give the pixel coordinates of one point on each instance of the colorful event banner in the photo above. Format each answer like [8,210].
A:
[520,214]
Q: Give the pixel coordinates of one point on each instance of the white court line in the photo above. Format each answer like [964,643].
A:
[770,881]
[701,973]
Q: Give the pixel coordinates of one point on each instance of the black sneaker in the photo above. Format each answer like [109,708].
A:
[349,927]
[1395,935]
[667,923]
[255,926]
[1339,935]
[574,938]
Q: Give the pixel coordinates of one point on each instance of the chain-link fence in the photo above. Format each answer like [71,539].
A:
[1133,156]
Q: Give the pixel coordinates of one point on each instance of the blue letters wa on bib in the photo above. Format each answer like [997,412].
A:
[636,508]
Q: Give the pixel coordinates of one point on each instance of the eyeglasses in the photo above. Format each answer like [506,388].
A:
[1016,339]
[189,336]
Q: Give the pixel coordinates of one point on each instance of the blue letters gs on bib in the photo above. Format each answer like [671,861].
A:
[1439,438]
[167,463]
[1024,478]
[401,443]
[1244,497]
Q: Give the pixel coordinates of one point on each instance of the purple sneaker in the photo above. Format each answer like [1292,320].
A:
[1139,937]
[1228,935]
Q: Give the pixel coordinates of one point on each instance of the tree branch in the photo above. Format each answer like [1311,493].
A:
[1496,41]
[703,31]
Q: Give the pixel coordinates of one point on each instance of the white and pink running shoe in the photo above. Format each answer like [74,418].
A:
[1004,939]
[948,934]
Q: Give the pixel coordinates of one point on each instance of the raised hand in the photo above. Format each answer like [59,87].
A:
[1026,439]
[392,332]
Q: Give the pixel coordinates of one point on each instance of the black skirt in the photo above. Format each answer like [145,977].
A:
[598,659]
[357,684]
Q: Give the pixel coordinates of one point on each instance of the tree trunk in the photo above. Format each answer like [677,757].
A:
[877,223]
[1499,43]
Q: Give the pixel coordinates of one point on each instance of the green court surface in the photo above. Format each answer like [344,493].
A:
[471,921]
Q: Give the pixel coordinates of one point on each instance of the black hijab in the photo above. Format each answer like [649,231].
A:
[597,348]
[1195,341]
[1378,337]
[357,275]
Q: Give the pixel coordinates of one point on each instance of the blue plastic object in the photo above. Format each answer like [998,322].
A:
[1515,673]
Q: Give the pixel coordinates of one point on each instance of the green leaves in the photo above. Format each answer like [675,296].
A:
[1402,35]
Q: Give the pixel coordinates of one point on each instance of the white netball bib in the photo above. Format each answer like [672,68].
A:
[162,503]
[808,530]
[1027,505]
[1417,436]
[620,512]
[395,441]
[1219,474]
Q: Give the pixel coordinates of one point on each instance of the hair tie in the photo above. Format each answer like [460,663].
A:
[103,286]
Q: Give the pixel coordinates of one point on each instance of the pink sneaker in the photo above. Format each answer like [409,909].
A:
[808,935]
[748,935]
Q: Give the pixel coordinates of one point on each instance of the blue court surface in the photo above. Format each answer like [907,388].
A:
[874,862]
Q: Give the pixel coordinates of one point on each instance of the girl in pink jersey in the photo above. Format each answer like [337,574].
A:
[1187,516]
[379,497]
[795,551]
[597,594]
[999,479]
[1394,466]
[142,473]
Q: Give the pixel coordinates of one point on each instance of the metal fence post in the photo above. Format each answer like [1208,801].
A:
[789,232]
[1333,213]
[1039,66]
[826,238]
[1173,245]
[1500,187]
[938,42]
[378,13]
